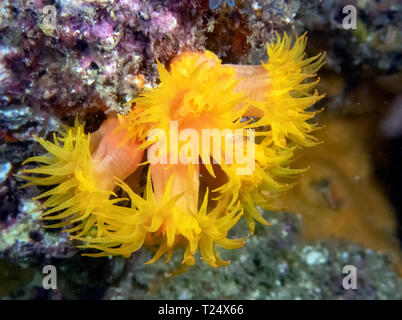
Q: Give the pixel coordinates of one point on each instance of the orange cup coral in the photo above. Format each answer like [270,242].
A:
[217,141]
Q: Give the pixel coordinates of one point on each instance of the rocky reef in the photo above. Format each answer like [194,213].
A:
[275,264]
[63,58]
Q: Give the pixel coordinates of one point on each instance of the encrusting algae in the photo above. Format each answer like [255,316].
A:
[193,196]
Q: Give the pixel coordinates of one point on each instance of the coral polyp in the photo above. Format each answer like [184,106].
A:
[256,116]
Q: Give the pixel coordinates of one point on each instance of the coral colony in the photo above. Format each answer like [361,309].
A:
[213,141]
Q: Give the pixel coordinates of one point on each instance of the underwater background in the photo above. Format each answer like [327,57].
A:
[65,58]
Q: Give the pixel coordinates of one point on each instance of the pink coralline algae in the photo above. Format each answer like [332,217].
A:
[102,30]
[165,22]
[87,58]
